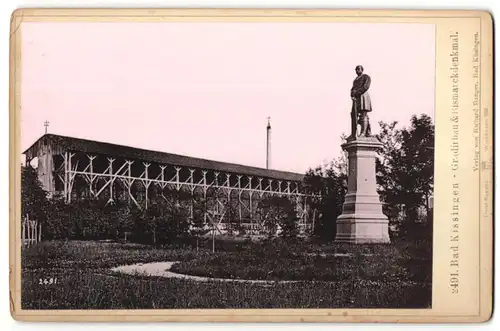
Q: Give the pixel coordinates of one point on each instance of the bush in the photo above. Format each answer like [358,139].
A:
[94,219]
[331,185]
[33,197]
[279,214]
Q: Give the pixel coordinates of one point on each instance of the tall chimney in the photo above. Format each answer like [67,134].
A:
[268,152]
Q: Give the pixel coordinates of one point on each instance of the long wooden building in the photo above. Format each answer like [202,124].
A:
[75,168]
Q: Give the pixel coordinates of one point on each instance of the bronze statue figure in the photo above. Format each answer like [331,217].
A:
[361,103]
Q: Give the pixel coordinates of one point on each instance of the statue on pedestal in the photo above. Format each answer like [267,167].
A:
[362,220]
[361,104]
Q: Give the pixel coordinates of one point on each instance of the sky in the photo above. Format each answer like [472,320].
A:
[206,89]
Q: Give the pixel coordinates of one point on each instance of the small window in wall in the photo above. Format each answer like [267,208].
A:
[34,162]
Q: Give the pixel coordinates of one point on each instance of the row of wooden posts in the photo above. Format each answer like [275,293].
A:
[31,231]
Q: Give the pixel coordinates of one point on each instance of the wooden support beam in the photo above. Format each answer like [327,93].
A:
[129,181]
[72,176]
[91,175]
[146,182]
[192,187]
[112,179]
[66,176]
[205,211]
[177,178]
[163,184]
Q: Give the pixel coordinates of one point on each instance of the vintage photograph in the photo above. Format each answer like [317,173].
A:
[195,165]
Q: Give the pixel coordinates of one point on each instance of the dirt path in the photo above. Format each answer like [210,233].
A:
[162,269]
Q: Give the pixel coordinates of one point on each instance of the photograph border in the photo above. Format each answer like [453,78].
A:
[484,207]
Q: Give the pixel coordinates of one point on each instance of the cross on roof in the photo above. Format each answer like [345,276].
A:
[46,124]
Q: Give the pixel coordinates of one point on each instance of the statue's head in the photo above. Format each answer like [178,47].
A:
[359,70]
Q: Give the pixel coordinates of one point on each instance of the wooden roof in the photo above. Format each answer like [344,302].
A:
[108,149]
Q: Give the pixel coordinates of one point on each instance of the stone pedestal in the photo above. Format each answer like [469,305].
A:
[362,220]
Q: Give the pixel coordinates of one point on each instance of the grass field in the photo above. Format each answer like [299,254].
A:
[76,275]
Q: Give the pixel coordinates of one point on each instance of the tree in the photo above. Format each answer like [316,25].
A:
[326,187]
[59,223]
[405,168]
[391,139]
[34,200]
[124,220]
[199,222]
[232,216]
[167,217]
[279,213]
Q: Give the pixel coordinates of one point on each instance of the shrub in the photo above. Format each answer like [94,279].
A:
[164,222]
